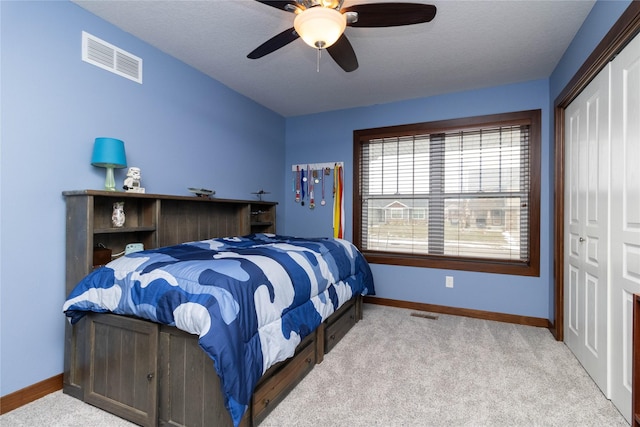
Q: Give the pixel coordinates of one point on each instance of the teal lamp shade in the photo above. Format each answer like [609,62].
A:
[109,153]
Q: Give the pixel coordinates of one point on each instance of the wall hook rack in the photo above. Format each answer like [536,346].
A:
[315,166]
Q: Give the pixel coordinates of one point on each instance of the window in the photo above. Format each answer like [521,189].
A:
[456,194]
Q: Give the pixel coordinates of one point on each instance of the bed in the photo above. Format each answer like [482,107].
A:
[259,305]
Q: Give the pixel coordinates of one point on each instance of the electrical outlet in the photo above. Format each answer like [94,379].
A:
[449,282]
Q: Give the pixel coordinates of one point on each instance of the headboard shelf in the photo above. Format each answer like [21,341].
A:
[122,230]
[126,195]
[155,220]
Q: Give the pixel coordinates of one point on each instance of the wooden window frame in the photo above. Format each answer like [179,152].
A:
[530,268]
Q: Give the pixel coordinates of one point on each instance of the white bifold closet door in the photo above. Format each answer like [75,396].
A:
[602,223]
[586,226]
[624,267]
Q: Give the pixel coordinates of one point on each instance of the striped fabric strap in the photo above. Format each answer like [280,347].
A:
[338,202]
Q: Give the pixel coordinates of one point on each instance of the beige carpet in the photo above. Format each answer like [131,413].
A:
[393,369]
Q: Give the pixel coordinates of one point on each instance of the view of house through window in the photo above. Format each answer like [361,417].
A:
[465,192]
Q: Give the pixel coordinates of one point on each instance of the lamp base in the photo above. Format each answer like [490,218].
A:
[110,181]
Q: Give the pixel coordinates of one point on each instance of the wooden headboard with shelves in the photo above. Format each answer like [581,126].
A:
[155,221]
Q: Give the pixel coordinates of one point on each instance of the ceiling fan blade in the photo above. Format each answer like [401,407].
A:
[342,52]
[274,43]
[278,4]
[391,14]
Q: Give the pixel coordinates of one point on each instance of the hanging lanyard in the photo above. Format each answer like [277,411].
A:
[322,202]
[312,178]
[297,183]
[338,208]
[303,180]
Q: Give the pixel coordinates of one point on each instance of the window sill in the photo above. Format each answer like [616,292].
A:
[445,263]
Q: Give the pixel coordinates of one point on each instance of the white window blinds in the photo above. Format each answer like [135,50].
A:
[458,193]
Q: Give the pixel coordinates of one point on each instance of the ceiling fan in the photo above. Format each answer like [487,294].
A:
[321,24]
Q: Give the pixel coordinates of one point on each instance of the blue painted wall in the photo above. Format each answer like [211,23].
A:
[182,128]
[329,137]
[598,23]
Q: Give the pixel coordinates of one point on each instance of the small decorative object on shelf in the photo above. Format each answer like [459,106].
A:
[259,216]
[101,255]
[202,192]
[132,181]
[117,218]
[260,194]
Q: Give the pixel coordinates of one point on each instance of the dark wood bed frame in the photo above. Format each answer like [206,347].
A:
[153,374]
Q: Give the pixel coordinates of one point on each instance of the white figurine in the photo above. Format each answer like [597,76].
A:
[132,181]
[118,217]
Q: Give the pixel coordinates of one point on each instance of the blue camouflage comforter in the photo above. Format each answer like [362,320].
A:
[250,299]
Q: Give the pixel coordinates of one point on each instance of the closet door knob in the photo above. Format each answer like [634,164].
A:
[581,239]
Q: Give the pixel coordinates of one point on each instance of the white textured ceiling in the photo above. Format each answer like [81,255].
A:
[468,45]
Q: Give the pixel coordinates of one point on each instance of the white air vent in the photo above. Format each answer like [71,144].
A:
[107,56]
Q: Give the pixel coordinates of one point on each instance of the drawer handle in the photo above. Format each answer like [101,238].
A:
[332,337]
[308,360]
[266,402]
[150,376]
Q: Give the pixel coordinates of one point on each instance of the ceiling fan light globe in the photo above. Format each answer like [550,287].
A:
[320,27]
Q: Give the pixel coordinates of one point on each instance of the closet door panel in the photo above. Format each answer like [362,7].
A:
[625,218]
[586,210]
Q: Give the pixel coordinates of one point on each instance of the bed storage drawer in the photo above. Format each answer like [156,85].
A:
[280,379]
[339,325]
[122,367]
